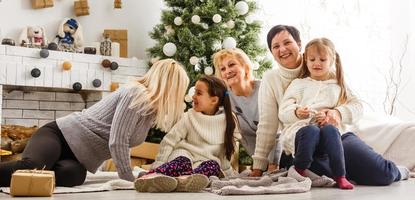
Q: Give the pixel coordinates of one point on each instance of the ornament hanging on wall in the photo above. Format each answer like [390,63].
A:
[117,4]
[36,4]
[81,8]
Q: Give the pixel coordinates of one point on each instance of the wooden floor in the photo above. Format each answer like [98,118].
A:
[398,191]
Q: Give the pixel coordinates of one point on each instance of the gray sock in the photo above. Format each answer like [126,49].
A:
[404,172]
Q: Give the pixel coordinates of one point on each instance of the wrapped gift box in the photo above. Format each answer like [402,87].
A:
[38,183]
[42,3]
[81,8]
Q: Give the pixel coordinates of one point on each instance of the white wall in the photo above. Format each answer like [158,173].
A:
[138,16]
[369,37]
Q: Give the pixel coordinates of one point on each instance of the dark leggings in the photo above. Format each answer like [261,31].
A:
[183,166]
[47,149]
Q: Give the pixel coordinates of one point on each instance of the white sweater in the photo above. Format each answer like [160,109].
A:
[197,136]
[316,95]
[273,85]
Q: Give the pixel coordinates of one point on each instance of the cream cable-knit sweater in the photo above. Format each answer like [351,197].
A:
[273,85]
[310,93]
[197,136]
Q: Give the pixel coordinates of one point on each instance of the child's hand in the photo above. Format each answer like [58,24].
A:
[321,118]
[302,113]
[331,116]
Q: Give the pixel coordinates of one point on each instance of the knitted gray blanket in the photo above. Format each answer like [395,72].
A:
[279,182]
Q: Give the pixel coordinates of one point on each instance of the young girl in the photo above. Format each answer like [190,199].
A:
[320,86]
[203,138]
[82,141]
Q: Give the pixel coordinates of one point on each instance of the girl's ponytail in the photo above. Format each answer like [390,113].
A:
[230,126]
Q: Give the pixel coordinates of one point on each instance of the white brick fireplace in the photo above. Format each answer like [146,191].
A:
[32,101]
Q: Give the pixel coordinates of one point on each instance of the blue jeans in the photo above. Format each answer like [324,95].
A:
[314,143]
[363,165]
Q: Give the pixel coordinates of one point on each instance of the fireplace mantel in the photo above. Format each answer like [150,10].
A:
[34,101]
[16,64]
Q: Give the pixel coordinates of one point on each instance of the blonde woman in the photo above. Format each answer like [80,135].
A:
[234,67]
[82,141]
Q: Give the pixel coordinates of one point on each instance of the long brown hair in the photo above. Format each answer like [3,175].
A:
[324,45]
[217,87]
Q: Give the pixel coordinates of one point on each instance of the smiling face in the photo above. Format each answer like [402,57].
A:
[232,71]
[318,61]
[202,101]
[286,50]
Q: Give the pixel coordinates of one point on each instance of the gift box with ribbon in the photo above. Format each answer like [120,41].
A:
[39,183]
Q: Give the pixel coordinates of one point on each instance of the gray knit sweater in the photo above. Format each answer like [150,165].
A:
[107,130]
[246,109]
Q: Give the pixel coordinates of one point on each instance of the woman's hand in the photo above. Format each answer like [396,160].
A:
[256,173]
[302,113]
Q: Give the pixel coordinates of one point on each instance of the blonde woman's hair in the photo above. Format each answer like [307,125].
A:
[240,55]
[165,83]
[324,45]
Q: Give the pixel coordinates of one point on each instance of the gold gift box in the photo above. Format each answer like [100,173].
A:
[36,183]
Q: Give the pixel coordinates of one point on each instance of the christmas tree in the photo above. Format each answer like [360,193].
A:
[193,30]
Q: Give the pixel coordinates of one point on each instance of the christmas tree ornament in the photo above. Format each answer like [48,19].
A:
[178,21]
[96,83]
[194,60]
[52,46]
[195,19]
[230,24]
[217,18]
[169,49]
[114,66]
[169,30]
[44,53]
[197,67]
[241,8]
[217,45]
[106,63]
[204,26]
[191,91]
[114,86]
[208,71]
[188,98]
[229,43]
[249,19]
[77,86]
[35,72]
[66,65]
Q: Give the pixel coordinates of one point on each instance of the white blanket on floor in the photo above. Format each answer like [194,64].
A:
[98,182]
[389,136]
[280,182]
